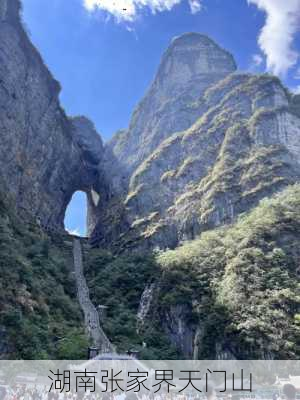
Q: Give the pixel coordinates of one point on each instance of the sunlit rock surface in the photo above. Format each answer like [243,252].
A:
[45,157]
[205,144]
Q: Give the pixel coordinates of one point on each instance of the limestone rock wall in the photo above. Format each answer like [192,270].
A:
[44,156]
[189,66]
[204,145]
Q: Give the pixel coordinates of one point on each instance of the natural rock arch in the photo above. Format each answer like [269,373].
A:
[75,220]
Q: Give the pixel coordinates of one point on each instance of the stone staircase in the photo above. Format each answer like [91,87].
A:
[91,316]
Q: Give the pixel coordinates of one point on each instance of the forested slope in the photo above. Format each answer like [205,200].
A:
[39,313]
[233,292]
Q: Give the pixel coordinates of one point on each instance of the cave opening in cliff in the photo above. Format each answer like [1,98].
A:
[76,215]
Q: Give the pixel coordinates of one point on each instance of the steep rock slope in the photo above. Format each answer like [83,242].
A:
[40,316]
[191,64]
[242,286]
[207,152]
[204,145]
[44,156]
[231,293]
[246,146]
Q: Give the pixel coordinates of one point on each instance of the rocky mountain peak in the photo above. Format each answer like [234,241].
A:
[200,131]
[192,63]
[189,57]
[204,147]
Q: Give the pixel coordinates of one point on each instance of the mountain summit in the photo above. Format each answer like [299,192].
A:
[193,157]
[205,145]
[191,64]
[194,154]
[192,57]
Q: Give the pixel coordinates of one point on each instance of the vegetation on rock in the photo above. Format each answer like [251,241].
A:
[39,314]
[239,284]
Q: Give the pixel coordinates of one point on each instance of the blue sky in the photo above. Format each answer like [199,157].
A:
[106,57]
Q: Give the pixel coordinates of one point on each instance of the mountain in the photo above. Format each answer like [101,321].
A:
[232,293]
[45,156]
[192,210]
[203,146]
[38,304]
[191,64]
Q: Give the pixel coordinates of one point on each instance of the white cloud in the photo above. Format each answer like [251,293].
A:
[128,9]
[195,6]
[257,60]
[256,64]
[277,36]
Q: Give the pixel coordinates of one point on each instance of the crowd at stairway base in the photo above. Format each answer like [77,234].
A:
[22,392]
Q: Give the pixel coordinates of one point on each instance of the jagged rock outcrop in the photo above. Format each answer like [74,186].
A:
[45,157]
[245,147]
[191,64]
[204,145]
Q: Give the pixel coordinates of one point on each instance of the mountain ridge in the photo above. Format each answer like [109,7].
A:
[140,184]
[197,200]
[240,113]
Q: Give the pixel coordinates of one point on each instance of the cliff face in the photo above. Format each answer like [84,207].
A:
[191,64]
[44,156]
[244,147]
[231,293]
[204,145]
